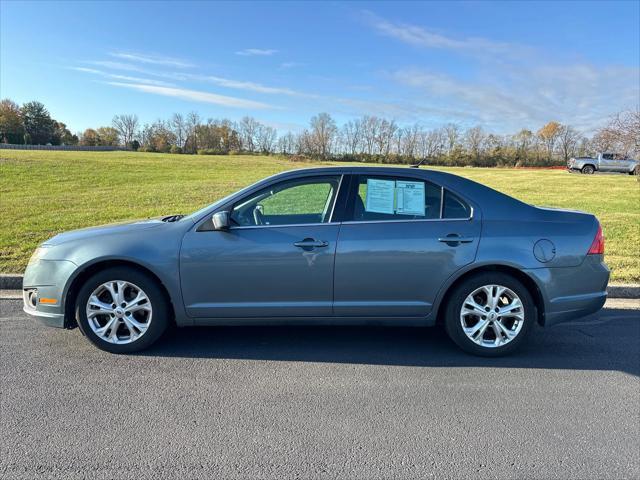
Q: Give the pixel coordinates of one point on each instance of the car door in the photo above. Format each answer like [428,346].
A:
[401,239]
[275,260]
[608,163]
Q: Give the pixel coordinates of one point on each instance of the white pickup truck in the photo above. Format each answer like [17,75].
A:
[604,162]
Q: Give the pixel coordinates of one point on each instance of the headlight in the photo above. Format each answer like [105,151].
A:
[38,254]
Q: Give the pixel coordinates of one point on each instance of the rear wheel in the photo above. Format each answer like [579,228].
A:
[122,310]
[490,314]
[588,169]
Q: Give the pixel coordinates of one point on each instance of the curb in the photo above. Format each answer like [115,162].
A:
[12,281]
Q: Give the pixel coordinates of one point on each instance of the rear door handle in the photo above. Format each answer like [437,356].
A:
[310,244]
[453,239]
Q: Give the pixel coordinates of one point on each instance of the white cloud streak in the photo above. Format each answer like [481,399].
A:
[151,59]
[260,52]
[424,38]
[195,95]
[125,78]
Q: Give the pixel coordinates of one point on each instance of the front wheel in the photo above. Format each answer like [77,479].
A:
[122,310]
[588,169]
[490,314]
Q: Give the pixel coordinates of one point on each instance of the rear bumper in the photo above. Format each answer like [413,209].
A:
[564,309]
[572,292]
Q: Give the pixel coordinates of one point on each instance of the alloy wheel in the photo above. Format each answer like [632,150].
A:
[492,316]
[119,312]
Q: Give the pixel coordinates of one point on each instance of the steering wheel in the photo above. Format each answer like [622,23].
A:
[258,217]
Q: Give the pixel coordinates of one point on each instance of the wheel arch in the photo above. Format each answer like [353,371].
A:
[85,272]
[593,165]
[526,280]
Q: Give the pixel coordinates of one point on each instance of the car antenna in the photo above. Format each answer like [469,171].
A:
[417,165]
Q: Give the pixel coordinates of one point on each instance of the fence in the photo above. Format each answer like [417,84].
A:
[9,146]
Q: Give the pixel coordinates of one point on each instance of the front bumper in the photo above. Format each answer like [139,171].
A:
[48,279]
[572,292]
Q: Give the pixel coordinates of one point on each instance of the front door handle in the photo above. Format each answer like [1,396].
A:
[453,239]
[310,244]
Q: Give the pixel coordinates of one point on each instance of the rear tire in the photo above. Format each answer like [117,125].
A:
[122,310]
[490,314]
[588,170]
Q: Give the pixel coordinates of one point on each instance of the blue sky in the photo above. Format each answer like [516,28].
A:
[502,65]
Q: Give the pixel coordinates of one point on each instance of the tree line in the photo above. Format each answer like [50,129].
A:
[366,139]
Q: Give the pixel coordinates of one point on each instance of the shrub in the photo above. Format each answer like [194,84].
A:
[175,149]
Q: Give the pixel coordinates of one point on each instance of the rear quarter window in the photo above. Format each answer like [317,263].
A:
[455,207]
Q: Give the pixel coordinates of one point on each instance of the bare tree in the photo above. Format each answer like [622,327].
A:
[568,139]
[265,138]
[351,135]
[127,127]
[193,121]
[248,128]
[474,138]
[323,133]
[452,134]
[180,129]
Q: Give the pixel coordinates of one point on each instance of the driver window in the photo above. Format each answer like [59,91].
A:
[299,201]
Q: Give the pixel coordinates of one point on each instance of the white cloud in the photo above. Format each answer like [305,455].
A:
[125,78]
[194,95]
[151,59]
[425,38]
[579,95]
[251,86]
[248,52]
[291,64]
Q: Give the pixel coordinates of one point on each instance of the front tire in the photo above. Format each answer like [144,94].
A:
[588,170]
[122,310]
[490,314]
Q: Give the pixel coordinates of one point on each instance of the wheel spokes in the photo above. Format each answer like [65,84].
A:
[485,324]
[116,319]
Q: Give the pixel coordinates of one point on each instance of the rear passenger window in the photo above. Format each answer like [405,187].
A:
[454,207]
[390,198]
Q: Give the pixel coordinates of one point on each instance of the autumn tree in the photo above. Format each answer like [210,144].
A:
[89,138]
[549,135]
[108,137]
[11,126]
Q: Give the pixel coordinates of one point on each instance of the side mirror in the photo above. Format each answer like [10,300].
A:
[220,220]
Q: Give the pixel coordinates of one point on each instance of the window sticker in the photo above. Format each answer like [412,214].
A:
[410,198]
[380,196]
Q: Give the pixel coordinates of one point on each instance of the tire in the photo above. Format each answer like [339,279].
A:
[518,323]
[588,170]
[147,314]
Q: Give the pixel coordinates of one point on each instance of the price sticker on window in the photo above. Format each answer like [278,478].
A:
[410,198]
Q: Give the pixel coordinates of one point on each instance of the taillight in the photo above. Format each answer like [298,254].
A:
[597,247]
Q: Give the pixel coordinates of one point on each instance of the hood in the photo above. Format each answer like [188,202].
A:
[116,228]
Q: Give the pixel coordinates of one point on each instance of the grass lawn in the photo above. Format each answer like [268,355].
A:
[46,192]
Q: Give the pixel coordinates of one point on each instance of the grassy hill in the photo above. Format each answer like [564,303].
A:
[46,192]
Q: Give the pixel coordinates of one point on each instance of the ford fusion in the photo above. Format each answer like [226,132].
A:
[349,245]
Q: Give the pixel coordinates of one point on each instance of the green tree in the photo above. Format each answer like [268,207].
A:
[62,135]
[38,124]
[11,126]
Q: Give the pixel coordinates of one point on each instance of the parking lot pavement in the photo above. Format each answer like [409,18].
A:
[312,402]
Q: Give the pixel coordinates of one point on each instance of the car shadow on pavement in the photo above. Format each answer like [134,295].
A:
[605,342]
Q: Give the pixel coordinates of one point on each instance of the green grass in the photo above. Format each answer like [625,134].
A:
[43,193]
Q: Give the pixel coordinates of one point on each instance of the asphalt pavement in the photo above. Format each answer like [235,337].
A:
[321,402]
